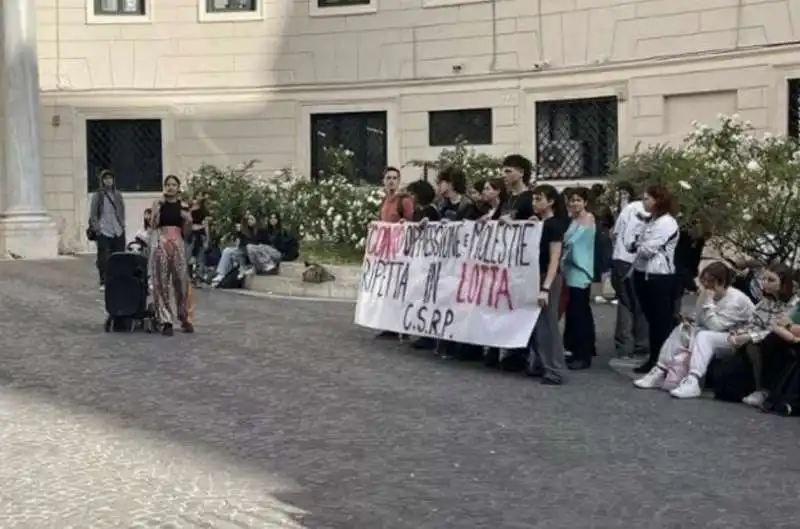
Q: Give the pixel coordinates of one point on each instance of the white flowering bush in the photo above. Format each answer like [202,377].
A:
[332,209]
[741,186]
[476,165]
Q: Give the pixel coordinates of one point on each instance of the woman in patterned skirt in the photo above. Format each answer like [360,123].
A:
[168,268]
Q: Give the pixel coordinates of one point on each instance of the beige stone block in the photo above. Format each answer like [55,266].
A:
[647,125]
[773,17]
[752,98]
[656,8]
[726,18]
[659,46]
[414,121]
[506,116]
[58,184]
[753,36]
[649,106]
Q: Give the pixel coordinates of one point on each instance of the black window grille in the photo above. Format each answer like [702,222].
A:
[576,138]
[130,148]
[362,133]
[119,7]
[230,6]
[341,3]
[793,128]
[449,127]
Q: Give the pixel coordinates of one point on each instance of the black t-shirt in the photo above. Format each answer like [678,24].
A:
[519,207]
[170,215]
[199,215]
[553,230]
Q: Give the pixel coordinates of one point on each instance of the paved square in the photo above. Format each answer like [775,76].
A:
[281,413]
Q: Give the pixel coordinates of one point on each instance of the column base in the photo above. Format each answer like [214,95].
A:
[29,237]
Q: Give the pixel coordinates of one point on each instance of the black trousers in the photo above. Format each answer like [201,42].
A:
[579,331]
[658,296]
[105,247]
[776,356]
[197,240]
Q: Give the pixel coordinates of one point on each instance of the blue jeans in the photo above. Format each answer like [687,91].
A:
[231,257]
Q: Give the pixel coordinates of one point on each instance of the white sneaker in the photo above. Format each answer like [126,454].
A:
[689,388]
[651,380]
[216,281]
[755,399]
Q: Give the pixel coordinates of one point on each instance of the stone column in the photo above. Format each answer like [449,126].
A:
[27,229]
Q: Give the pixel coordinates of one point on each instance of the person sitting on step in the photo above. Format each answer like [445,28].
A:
[776,284]
[236,256]
[274,245]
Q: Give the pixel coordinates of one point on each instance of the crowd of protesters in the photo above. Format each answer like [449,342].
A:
[741,342]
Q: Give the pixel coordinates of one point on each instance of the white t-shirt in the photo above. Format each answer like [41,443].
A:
[627,229]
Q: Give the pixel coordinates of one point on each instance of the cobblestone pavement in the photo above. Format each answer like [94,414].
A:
[280,413]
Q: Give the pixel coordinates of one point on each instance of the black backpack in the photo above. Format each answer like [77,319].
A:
[603,249]
[231,280]
[733,377]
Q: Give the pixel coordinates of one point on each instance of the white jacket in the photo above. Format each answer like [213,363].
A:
[628,227]
[732,310]
[655,248]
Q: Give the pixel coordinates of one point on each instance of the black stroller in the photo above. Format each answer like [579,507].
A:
[127,290]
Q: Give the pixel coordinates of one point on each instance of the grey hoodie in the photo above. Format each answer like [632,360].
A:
[105,216]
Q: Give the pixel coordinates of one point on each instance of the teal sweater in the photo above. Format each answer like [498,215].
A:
[577,261]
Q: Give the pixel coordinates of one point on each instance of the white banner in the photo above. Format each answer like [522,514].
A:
[469,282]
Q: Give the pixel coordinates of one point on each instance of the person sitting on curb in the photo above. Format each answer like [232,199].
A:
[777,287]
[236,256]
[274,245]
[720,308]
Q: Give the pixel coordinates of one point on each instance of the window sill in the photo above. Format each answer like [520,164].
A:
[338,11]
[93,19]
[204,16]
[431,4]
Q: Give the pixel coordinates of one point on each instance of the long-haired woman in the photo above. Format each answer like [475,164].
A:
[494,195]
[168,269]
[654,276]
[577,263]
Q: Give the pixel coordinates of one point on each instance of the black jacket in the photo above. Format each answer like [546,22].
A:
[428,212]
[247,237]
[464,210]
[281,240]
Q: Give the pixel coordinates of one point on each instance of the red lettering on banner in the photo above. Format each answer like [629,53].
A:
[479,281]
[385,242]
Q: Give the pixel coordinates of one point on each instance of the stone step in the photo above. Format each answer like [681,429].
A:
[293,285]
[341,272]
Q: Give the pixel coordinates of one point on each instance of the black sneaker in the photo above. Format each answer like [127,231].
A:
[579,365]
[424,343]
[534,371]
[551,380]
[491,357]
[644,368]
[167,330]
